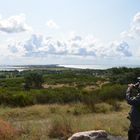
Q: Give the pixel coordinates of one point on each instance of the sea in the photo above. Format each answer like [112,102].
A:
[79,66]
[88,66]
[12,68]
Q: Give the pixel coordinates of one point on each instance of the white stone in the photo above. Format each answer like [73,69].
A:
[90,135]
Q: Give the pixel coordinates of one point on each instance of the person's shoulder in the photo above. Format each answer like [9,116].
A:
[138,94]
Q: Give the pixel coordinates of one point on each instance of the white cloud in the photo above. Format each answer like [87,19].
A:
[40,46]
[127,34]
[14,24]
[37,45]
[137,31]
[134,30]
[16,49]
[136,18]
[76,46]
[123,49]
[83,46]
[52,25]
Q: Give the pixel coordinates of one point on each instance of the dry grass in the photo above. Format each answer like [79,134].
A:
[92,87]
[115,123]
[39,121]
[7,132]
[61,128]
[56,86]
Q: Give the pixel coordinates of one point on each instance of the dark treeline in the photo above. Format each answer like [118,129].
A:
[123,75]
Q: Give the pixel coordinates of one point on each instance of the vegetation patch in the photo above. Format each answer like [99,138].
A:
[7,132]
[60,128]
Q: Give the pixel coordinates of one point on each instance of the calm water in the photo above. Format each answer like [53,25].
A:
[88,66]
[99,66]
[13,68]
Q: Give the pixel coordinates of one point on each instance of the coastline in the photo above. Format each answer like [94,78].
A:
[76,66]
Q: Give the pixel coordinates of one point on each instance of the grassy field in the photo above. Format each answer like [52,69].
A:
[46,122]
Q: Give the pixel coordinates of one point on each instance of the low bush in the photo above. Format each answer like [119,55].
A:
[62,95]
[102,108]
[116,92]
[22,99]
[59,95]
[80,109]
[60,128]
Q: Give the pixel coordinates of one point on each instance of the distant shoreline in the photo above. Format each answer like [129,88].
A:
[78,66]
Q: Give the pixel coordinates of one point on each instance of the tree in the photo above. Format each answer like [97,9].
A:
[33,80]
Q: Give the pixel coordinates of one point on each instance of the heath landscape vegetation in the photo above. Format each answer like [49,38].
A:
[57,103]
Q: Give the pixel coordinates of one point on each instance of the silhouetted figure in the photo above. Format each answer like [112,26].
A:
[134,114]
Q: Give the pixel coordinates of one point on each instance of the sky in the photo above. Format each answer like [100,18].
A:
[70,32]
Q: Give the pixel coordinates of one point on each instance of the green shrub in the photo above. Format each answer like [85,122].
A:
[22,99]
[102,108]
[63,95]
[16,98]
[11,84]
[60,128]
[80,109]
[33,80]
[116,92]
[59,95]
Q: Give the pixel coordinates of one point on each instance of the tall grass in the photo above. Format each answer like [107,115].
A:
[61,128]
[45,122]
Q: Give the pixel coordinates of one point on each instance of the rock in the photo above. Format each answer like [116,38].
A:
[116,138]
[90,135]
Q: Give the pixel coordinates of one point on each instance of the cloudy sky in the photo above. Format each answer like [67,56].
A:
[70,32]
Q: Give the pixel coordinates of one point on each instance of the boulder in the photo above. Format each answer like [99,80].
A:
[90,135]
